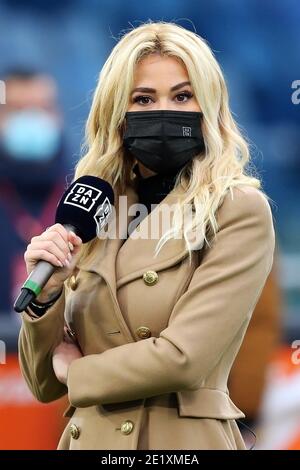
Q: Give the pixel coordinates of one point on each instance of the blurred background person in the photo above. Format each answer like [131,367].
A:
[32,170]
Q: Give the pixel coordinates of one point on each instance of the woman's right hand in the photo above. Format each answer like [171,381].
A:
[59,247]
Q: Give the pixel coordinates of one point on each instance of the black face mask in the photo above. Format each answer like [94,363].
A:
[163,141]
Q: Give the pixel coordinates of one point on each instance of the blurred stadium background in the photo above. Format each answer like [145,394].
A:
[257,45]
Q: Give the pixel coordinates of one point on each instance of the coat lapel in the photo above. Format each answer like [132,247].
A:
[134,255]
[137,254]
[103,258]
[120,260]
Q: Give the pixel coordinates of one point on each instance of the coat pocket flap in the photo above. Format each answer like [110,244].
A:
[207,403]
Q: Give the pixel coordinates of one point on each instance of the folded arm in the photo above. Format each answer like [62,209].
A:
[37,340]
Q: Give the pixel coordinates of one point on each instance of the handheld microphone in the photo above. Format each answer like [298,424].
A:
[84,209]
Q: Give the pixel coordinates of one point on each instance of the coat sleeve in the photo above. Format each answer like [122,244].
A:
[220,298]
[38,338]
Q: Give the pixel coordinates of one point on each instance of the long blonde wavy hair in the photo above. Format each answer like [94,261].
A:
[208,177]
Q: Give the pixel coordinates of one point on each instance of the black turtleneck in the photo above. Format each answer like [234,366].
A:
[153,189]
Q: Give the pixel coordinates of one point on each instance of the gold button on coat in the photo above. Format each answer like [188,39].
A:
[74,431]
[150,278]
[73,282]
[143,332]
[127,427]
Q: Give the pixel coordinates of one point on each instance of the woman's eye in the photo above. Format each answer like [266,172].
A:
[138,98]
[141,98]
[186,95]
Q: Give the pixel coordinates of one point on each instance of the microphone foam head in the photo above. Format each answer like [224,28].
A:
[87,205]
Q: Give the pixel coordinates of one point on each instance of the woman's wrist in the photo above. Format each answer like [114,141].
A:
[39,308]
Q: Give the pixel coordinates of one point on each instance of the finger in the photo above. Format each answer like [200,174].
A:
[57,238]
[74,239]
[76,250]
[60,229]
[51,247]
[37,255]
[59,241]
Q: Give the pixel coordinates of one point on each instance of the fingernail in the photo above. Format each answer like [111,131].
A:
[60,263]
[69,257]
[67,263]
[71,246]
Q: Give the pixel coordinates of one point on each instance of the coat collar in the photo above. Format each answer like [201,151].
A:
[126,259]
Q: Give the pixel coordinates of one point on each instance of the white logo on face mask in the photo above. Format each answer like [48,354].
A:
[187,131]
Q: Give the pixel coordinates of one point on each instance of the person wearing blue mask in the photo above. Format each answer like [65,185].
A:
[32,149]
[30,135]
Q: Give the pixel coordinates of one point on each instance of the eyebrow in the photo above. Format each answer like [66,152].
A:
[152,90]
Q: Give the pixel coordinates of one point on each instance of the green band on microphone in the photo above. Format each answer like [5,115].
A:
[33,286]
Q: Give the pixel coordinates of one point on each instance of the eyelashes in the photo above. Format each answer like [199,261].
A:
[137,99]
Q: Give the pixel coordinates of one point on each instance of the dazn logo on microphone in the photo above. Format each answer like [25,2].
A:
[83,196]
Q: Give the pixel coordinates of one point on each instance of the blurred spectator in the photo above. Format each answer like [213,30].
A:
[32,148]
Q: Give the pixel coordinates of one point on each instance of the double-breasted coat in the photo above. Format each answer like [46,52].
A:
[158,335]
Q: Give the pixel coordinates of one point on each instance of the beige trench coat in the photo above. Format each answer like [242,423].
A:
[159,335]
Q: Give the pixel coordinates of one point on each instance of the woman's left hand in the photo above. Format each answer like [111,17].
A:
[64,354]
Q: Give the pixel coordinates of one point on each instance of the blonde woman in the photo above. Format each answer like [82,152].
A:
[155,322]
